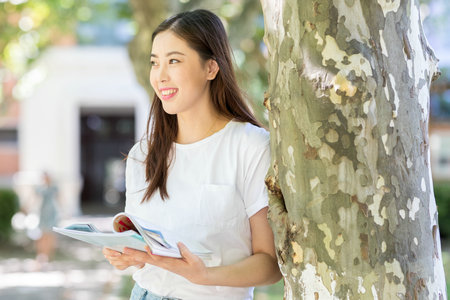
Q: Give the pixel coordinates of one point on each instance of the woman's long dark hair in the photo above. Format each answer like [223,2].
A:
[204,32]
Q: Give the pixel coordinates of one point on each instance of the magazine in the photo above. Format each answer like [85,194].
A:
[133,232]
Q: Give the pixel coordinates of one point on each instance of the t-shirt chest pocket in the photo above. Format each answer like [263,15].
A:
[218,206]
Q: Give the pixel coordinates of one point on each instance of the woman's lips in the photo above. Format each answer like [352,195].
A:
[168,93]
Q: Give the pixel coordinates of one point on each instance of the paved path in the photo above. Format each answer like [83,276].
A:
[79,272]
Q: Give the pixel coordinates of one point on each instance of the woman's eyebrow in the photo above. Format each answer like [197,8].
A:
[169,54]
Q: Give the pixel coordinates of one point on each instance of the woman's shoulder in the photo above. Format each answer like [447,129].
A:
[251,134]
[139,150]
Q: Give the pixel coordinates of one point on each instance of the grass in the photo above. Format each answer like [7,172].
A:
[270,292]
[446,259]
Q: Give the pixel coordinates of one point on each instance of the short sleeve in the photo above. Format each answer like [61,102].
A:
[254,189]
[134,179]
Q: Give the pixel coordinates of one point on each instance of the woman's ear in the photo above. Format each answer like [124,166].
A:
[212,69]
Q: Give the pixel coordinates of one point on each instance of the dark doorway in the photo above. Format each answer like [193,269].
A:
[106,137]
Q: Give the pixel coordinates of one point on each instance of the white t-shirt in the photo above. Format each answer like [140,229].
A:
[215,185]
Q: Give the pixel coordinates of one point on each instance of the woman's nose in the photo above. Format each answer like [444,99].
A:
[163,75]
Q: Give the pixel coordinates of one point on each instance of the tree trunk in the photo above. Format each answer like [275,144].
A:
[351,193]
[147,14]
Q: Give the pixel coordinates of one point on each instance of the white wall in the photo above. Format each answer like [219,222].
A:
[49,137]
[440,153]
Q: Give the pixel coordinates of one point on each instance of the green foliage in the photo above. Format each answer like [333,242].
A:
[126,286]
[28,27]
[442,195]
[446,261]
[270,292]
[9,205]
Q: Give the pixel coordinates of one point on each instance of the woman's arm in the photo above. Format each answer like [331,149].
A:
[261,268]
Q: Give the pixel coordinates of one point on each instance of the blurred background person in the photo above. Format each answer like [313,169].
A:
[48,217]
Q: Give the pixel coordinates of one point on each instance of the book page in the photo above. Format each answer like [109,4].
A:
[168,237]
[115,241]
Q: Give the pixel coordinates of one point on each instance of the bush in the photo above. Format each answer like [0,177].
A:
[9,205]
[442,194]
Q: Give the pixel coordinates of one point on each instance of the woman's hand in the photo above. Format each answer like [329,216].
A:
[260,268]
[189,265]
[119,260]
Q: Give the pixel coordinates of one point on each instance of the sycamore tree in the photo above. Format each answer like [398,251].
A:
[351,196]
[351,193]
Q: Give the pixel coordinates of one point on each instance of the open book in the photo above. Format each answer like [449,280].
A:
[132,232]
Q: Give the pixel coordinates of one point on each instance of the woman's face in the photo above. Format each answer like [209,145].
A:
[179,76]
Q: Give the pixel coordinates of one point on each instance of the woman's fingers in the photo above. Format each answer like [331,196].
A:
[189,265]
[110,252]
[120,266]
[120,260]
[186,254]
[138,255]
[111,255]
[143,257]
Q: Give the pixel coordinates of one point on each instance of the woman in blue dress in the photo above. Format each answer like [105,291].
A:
[48,217]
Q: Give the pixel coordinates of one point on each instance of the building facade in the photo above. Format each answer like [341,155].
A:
[84,112]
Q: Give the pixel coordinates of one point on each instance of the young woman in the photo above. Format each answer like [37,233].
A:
[200,172]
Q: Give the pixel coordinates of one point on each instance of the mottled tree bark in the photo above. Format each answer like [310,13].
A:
[351,193]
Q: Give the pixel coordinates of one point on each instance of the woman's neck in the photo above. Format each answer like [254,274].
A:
[195,128]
